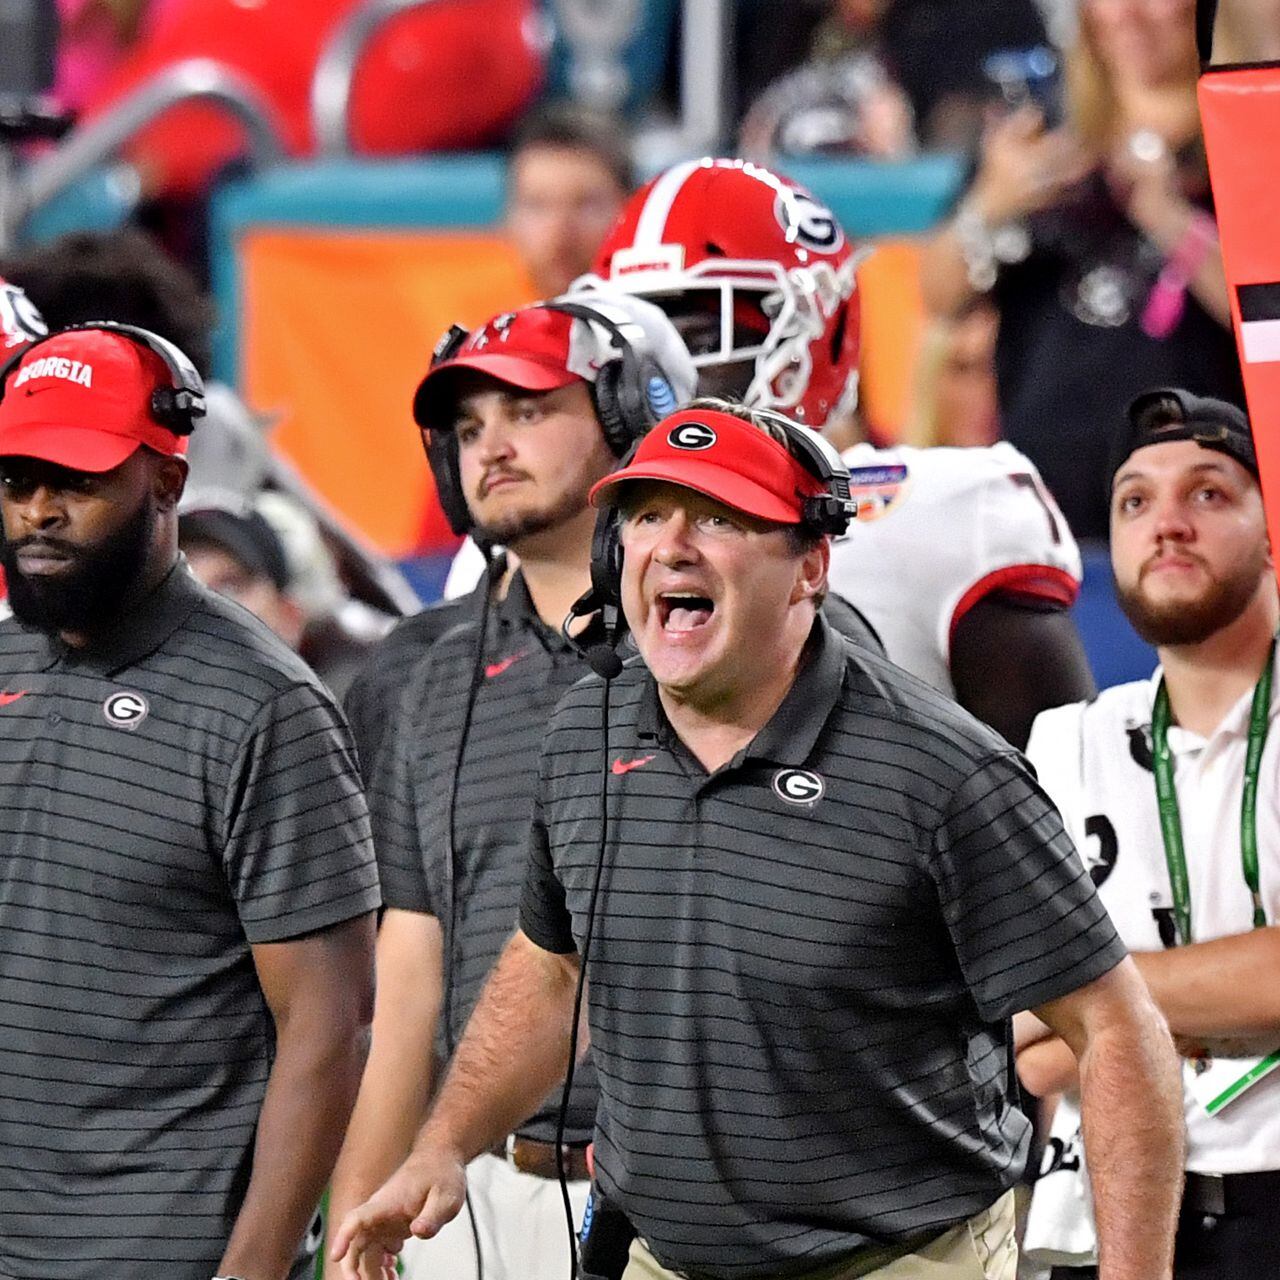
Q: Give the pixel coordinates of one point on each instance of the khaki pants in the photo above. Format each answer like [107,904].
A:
[983,1248]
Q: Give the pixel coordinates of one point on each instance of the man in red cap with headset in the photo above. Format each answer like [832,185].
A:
[809,892]
[522,416]
[187,891]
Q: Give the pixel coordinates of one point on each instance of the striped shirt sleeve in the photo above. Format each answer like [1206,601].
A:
[393,805]
[297,853]
[1024,918]
[544,914]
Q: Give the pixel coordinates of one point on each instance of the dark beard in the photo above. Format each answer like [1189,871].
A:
[508,531]
[1192,622]
[91,594]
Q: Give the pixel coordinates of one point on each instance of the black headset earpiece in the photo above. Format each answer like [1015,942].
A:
[442,445]
[603,598]
[175,406]
[606,557]
[631,392]
[831,512]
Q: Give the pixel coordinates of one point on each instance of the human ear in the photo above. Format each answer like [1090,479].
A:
[811,574]
[169,480]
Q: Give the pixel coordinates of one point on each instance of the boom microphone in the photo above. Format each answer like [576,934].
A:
[604,661]
[602,658]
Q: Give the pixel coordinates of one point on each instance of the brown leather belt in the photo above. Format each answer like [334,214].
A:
[539,1158]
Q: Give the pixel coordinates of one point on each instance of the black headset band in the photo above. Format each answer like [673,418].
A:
[580,311]
[175,406]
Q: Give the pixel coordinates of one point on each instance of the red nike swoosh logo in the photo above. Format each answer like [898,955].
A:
[497,668]
[625,766]
[7,697]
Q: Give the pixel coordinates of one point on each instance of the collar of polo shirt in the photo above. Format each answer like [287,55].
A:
[146,628]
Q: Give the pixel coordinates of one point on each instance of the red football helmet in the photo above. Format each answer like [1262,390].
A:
[770,261]
[20,322]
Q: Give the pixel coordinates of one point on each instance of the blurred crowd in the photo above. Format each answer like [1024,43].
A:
[1084,236]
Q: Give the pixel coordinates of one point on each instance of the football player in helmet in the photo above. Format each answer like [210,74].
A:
[758,277]
[960,558]
[20,322]
[20,325]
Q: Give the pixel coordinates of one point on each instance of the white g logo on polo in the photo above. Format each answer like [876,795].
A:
[798,786]
[125,710]
[691,435]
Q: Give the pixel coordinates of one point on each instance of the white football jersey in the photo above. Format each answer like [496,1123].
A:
[465,570]
[1094,760]
[939,529]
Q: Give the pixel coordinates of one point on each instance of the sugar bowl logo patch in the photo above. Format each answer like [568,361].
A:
[125,710]
[877,490]
[798,786]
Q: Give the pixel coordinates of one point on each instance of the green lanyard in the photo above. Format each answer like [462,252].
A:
[1167,800]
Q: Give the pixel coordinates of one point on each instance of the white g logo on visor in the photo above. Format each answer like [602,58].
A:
[691,435]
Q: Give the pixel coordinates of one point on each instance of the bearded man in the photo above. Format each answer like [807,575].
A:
[1168,786]
[187,884]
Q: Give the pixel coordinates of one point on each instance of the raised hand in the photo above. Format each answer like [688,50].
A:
[424,1193]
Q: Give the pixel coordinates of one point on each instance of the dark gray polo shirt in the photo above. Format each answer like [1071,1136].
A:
[372,703]
[471,881]
[181,791]
[804,964]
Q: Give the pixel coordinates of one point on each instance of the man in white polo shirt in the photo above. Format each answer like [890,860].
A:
[1168,787]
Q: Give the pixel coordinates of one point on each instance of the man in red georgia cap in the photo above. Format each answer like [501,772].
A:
[74,417]
[188,890]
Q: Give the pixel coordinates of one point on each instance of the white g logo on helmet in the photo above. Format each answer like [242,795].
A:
[691,435]
[807,222]
[20,322]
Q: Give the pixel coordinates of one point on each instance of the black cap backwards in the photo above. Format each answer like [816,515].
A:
[1170,413]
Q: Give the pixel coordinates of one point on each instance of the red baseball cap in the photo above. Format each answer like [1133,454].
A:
[82,399]
[722,457]
[532,349]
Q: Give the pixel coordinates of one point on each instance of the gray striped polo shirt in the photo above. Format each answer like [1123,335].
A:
[453,843]
[372,702]
[804,963]
[177,792]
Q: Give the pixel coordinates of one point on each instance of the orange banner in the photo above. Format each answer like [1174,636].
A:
[1240,109]
[337,329]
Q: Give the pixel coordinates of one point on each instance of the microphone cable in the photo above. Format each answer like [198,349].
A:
[603,659]
[451,814]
